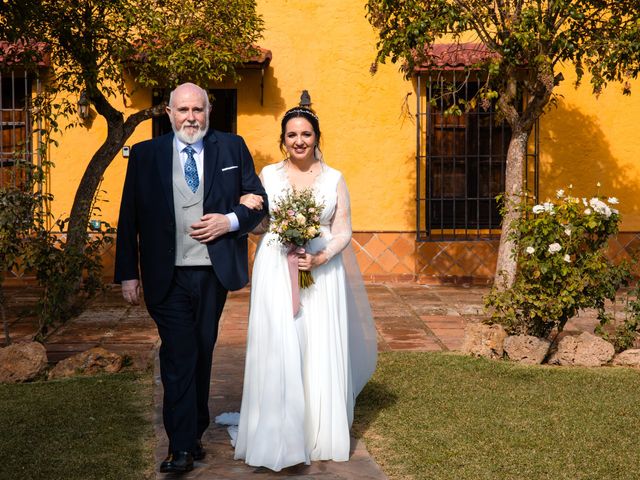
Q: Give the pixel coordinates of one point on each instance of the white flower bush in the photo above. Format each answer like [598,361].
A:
[562,264]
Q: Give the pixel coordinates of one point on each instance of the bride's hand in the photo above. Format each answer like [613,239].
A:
[252,201]
[307,261]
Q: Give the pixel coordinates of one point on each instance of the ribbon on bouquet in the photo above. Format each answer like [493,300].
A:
[292,261]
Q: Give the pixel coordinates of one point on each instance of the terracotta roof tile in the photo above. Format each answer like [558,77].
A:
[19,53]
[453,56]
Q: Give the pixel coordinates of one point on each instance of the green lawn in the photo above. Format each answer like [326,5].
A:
[444,416]
[81,428]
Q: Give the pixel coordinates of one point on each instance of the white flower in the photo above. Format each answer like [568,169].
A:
[554,247]
[587,211]
[530,250]
[560,193]
[614,210]
[567,258]
[548,207]
[538,209]
[612,200]
[584,201]
[567,232]
[600,207]
[300,218]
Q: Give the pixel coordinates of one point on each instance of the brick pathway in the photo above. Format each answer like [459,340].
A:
[408,317]
[411,317]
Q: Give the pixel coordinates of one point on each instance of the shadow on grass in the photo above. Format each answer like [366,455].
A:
[374,398]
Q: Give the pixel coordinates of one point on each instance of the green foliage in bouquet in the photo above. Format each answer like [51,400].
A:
[295,220]
[562,264]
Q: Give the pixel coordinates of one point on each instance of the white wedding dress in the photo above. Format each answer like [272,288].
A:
[303,373]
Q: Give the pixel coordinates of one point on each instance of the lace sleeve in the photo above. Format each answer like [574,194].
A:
[341,222]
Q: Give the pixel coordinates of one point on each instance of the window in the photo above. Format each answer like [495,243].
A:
[461,159]
[15,124]
[223,115]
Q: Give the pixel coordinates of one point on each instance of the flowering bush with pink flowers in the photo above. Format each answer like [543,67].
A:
[562,264]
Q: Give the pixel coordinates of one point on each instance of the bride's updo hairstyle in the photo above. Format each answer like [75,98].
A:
[305,113]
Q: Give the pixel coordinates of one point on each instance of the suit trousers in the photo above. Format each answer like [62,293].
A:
[187,320]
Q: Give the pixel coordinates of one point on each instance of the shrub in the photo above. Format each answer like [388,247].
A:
[28,244]
[562,264]
[21,215]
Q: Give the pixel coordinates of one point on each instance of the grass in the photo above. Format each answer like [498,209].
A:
[79,428]
[442,416]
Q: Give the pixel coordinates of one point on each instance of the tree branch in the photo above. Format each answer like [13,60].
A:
[136,118]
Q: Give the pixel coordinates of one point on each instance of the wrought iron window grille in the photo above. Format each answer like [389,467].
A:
[461,151]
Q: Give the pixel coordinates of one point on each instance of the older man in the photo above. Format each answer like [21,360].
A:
[182,223]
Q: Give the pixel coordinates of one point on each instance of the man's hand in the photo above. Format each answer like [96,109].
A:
[131,291]
[210,227]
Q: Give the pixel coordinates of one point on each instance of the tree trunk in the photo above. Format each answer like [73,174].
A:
[81,210]
[514,187]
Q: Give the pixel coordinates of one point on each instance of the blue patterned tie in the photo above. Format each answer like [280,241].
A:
[191,170]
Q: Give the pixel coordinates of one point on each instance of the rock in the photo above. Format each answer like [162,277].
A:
[95,360]
[628,358]
[586,350]
[483,340]
[526,349]
[21,362]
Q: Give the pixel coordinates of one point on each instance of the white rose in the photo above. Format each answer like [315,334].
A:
[300,218]
[587,211]
[554,247]
[567,258]
[600,207]
[538,209]
[612,200]
[560,193]
[530,250]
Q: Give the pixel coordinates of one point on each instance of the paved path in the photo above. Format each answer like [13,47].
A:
[408,317]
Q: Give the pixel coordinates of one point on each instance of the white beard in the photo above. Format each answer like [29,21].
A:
[189,139]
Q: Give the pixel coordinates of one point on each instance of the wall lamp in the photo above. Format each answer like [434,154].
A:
[83,105]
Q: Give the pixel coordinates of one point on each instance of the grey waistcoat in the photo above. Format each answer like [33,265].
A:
[188,208]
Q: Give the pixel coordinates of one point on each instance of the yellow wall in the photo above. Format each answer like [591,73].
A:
[326,47]
[77,145]
[589,139]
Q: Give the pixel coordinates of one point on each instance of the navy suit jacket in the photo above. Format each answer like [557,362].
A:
[147,226]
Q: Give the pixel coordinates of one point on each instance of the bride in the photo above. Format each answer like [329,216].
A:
[303,371]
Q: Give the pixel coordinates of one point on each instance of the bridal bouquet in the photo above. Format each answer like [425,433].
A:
[295,220]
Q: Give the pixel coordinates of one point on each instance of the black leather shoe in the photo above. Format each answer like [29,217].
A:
[199,452]
[178,462]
